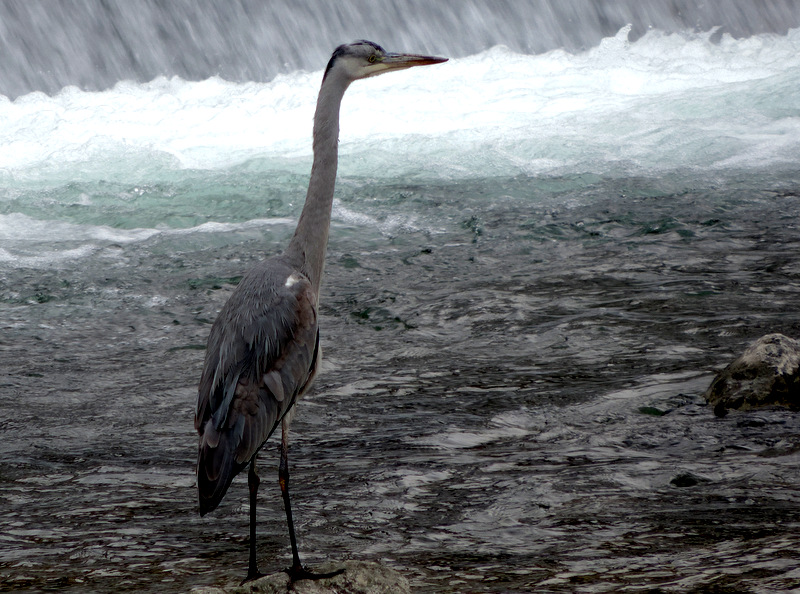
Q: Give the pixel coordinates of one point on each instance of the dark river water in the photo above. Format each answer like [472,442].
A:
[509,403]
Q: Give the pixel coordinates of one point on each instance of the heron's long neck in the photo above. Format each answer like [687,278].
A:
[307,247]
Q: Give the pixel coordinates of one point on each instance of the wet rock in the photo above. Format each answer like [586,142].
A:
[687,479]
[765,375]
[359,577]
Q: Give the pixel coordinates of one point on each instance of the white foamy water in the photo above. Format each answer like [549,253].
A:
[124,164]
[664,101]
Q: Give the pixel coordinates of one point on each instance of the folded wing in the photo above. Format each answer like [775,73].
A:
[262,355]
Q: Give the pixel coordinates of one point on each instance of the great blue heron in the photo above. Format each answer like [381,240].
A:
[263,349]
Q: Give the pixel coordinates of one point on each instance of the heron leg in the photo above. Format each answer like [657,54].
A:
[252,483]
[283,479]
[296,571]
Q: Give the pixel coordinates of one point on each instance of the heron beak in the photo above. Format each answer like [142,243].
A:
[392,61]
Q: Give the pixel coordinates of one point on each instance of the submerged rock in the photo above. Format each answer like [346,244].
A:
[765,375]
[359,577]
[687,479]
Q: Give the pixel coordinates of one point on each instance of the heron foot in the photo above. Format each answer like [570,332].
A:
[298,572]
[252,575]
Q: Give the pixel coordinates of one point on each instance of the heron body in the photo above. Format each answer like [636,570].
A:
[254,375]
[263,349]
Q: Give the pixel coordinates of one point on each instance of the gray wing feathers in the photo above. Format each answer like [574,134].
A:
[260,358]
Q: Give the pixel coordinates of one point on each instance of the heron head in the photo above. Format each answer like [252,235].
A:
[362,59]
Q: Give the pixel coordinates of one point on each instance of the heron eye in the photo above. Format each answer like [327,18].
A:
[372,59]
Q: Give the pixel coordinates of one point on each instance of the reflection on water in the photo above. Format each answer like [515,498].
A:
[510,400]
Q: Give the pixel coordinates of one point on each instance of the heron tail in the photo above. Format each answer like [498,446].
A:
[216,466]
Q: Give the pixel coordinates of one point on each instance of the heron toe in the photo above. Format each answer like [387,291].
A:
[298,572]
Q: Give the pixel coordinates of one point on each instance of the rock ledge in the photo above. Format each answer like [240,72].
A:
[359,577]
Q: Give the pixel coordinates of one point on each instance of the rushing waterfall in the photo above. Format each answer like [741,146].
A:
[92,44]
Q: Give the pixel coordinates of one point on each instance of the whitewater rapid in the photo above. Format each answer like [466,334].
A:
[662,102]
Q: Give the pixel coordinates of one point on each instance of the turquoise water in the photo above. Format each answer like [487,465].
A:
[536,265]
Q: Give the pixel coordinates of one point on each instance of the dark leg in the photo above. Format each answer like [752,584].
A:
[252,483]
[283,478]
[296,571]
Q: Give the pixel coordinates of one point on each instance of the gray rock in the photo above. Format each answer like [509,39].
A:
[765,375]
[359,577]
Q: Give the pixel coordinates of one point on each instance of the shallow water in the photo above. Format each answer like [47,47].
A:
[505,404]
